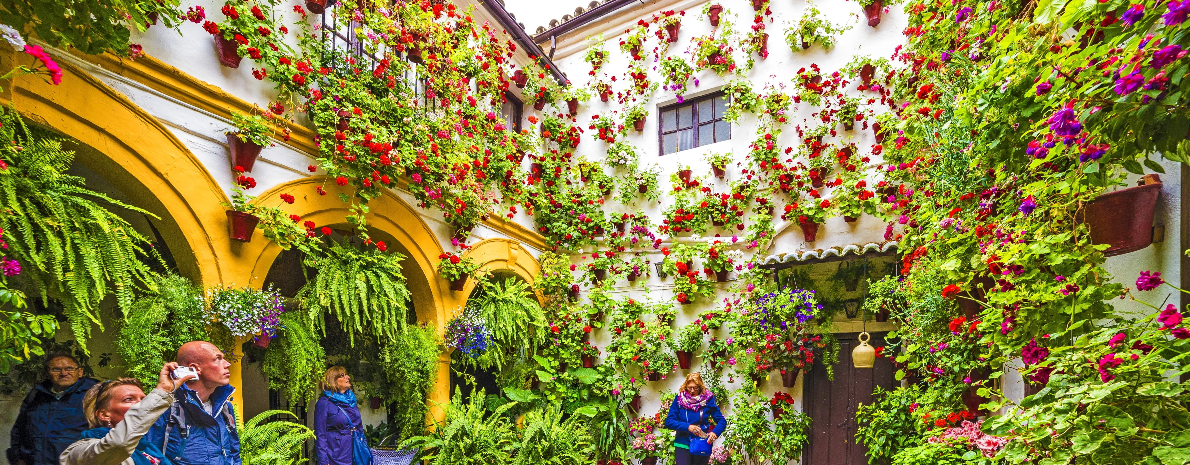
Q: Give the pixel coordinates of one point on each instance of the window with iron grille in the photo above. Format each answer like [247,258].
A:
[694,123]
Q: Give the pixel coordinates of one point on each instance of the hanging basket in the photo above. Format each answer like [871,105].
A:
[654,376]
[243,154]
[539,105]
[1124,219]
[262,340]
[778,411]
[413,54]
[684,175]
[227,50]
[241,225]
[866,73]
[643,188]
[684,359]
[458,284]
[850,219]
[635,403]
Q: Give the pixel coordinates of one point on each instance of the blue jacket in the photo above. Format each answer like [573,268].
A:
[332,425]
[46,425]
[679,419]
[206,439]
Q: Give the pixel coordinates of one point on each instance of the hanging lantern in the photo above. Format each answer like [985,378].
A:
[863,355]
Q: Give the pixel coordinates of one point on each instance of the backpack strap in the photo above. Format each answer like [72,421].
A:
[176,420]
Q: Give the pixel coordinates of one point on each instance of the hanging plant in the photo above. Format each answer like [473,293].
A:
[714,52]
[246,311]
[677,74]
[364,289]
[812,29]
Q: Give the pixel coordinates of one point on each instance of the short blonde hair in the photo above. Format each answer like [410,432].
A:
[332,374]
[695,378]
[100,395]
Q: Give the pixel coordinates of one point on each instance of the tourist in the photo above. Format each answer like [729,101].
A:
[691,415]
[51,417]
[120,414]
[200,428]
[337,423]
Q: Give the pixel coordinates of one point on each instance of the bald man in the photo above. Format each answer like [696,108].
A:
[200,427]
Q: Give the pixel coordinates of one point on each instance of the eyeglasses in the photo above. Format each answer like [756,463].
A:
[59,371]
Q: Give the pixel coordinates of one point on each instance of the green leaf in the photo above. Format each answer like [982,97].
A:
[585,375]
[1154,166]
[1172,455]
[1086,442]
[1133,167]
[1092,168]
[1048,10]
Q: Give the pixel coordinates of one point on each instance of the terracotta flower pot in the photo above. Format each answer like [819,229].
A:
[539,105]
[631,277]
[872,11]
[588,361]
[882,316]
[635,403]
[458,284]
[672,31]
[789,377]
[684,175]
[805,45]
[262,340]
[621,226]
[721,276]
[461,234]
[227,50]
[757,4]
[375,402]
[520,78]
[634,50]
[718,171]
[600,274]
[866,73]
[654,377]
[413,54]
[1124,219]
[810,231]
[243,154]
[778,411]
[603,96]
[763,42]
[639,125]
[643,188]
[718,223]
[850,219]
[877,132]
[848,125]
[316,6]
[572,105]
[573,295]
[241,225]
[713,13]
[648,461]
[816,181]
[684,360]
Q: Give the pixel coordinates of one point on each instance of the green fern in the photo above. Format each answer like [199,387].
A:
[74,248]
[548,440]
[514,317]
[158,323]
[295,360]
[357,287]
[469,435]
[274,443]
[411,365]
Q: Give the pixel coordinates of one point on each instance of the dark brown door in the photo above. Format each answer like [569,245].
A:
[831,404]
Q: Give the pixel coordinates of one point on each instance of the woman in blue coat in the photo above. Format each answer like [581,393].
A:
[337,423]
[695,416]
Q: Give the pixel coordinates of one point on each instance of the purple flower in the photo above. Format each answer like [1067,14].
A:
[1135,13]
[1044,87]
[1128,84]
[1028,205]
[1033,354]
[1177,12]
[10,267]
[1165,56]
[945,56]
[966,13]
[1149,280]
[1064,123]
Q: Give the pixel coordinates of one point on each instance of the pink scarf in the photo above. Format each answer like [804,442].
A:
[695,403]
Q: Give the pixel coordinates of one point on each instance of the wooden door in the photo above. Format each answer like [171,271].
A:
[831,405]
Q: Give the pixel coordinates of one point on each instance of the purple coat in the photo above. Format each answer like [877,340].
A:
[332,425]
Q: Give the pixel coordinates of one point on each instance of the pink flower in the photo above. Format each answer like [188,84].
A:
[1170,317]
[1149,280]
[50,65]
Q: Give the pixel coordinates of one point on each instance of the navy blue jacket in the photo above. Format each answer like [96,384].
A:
[46,424]
[679,419]
[211,440]
[332,426]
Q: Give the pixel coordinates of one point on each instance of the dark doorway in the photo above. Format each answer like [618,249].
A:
[831,405]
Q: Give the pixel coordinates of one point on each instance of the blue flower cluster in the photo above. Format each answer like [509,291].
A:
[781,305]
[468,334]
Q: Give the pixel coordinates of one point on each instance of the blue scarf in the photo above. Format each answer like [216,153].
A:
[145,453]
[360,453]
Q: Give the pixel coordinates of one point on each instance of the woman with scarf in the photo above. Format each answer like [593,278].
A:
[337,423]
[120,414]
[695,416]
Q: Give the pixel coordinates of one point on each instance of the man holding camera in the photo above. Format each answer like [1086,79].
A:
[200,428]
[51,417]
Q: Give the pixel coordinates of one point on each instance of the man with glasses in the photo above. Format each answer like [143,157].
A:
[51,417]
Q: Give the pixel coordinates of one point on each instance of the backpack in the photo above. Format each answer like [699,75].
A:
[177,420]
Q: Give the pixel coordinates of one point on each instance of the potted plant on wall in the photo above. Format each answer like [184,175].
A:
[714,52]
[808,214]
[246,312]
[251,135]
[456,269]
[718,162]
[671,21]
[241,218]
[635,117]
[572,95]
[633,43]
[812,29]
[718,261]
[713,10]
[677,73]
[588,353]
[688,341]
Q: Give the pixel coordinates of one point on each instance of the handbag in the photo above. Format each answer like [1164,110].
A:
[700,446]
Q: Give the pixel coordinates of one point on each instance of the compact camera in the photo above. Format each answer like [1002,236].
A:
[182,372]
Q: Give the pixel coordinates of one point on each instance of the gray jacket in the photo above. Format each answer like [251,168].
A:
[116,448]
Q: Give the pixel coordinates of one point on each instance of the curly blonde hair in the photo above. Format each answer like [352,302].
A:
[695,378]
